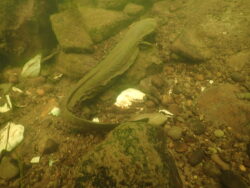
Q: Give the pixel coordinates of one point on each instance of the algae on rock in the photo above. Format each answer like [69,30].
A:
[132,155]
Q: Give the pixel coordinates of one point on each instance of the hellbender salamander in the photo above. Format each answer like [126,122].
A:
[119,60]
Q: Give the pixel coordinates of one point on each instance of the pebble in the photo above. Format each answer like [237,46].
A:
[211,170]
[166,100]
[174,108]
[175,133]
[198,127]
[50,146]
[8,170]
[177,89]
[220,162]
[181,147]
[199,77]
[218,133]
[157,82]
[231,180]
[40,92]
[237,77]
[246,162]
[195,157]
[242,168]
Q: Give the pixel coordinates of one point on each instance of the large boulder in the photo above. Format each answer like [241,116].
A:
[216,29]
[101,23]
[132,155]
[70,32]
[212,32]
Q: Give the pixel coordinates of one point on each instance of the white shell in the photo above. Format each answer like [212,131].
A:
[32,67]
[10,136]
[128,96]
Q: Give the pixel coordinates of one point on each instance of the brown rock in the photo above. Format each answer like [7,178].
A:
[8,170]
[180,147]
[50,146]
[74,65]
[70,32]
[195,157]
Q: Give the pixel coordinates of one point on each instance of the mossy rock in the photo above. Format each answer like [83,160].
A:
[132,155]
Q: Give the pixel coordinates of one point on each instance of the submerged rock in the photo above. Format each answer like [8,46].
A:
[132,155]
[70,32]
[74,65]
[102,23]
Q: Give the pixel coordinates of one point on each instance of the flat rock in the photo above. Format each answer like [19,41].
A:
[8,170]
[223,100]
[131,156]
[74,65]
[102,23]
[189,46]
[70,32]
[239,60]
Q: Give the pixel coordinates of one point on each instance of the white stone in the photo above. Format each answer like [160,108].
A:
[96,120]
[55,111]
[10,136]
[35,160]
[4,108]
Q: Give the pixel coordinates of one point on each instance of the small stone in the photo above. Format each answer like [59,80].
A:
[40,92]
[198,127]
[237,77]
[166,100]
[174,108]
[177,89]
[231,180]
[157,81]
[50,146]
[8,170]
[242,168]
[211,170]
[181,147]
[195,157]
[199,77]
[35,160]
[175,133]
[246,162]
[218,133]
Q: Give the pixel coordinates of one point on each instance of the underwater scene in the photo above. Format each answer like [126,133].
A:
[124,94]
